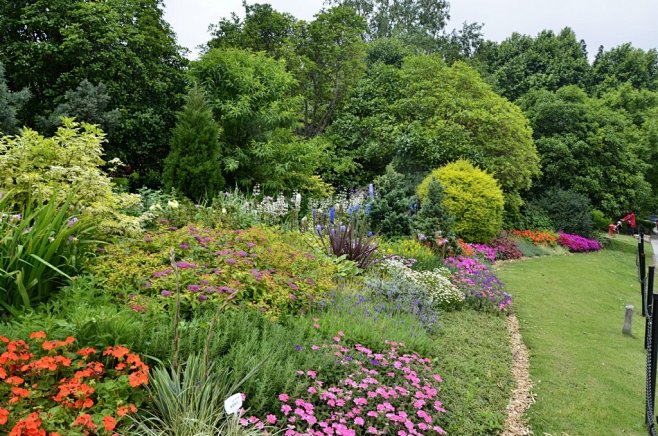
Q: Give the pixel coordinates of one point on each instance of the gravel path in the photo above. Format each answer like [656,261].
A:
[522,396]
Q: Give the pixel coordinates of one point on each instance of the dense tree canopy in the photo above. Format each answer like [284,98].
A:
[522,63]
[51,46]
[588,147]
[251,97]
[263,29]
[414,20]
[626,64]
[427,114]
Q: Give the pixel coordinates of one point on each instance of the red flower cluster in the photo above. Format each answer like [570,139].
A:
[36,377]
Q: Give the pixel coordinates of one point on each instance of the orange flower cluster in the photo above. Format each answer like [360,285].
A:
[537,237]
[35,377]
[467,250]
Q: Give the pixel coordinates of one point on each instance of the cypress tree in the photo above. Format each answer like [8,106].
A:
[433,216]
[193,166]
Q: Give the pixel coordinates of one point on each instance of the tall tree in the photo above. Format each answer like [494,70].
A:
[522,63]
[193,165]
[427,114]
[330,58]
[625,64]
[588,147]
[51,46]
[251,97]
[263,29]
[413,19]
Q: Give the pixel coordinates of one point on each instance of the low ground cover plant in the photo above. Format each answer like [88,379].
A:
[50,386]
[378,393]
[429,289]
[537,237]
[576,243]
[479,284]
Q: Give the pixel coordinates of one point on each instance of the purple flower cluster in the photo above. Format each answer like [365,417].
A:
[480,285]
[487,252]
[578,243]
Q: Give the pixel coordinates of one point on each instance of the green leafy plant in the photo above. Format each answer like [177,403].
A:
[570,211]
[65,166]
[40,247]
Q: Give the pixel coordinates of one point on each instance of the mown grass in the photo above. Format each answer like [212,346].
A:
[473,356]
[589,378]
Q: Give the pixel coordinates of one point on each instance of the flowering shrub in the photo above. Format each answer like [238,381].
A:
[506,248]
[380,393]
[537,237]
[577,243]
[482,288]
[431,288]
[47,388]
[258,267]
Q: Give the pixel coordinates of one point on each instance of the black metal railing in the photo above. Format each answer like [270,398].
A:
[646,279]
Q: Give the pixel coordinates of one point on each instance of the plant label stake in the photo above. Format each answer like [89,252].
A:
[233,404]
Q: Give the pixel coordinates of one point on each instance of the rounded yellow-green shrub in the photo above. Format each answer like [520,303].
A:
[473,196]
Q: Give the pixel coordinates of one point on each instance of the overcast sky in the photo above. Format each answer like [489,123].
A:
[599,22]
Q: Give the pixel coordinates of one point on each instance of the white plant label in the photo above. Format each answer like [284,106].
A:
[233,404]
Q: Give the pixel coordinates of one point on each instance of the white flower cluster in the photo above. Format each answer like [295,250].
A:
[273,207]
[436,287]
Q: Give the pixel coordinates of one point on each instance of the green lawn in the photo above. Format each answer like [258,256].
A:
[589,378]
[473,357]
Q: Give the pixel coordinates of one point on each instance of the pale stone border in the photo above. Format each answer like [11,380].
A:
[522,396]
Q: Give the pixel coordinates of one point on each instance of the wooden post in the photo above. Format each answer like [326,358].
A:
[628,320]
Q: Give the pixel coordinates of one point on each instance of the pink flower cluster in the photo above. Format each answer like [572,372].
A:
[381,394]
[578,243]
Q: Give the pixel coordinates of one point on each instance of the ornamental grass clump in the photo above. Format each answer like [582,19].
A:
[378,393]
[49,386]
[482,288]
[576,243]
[41,246]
